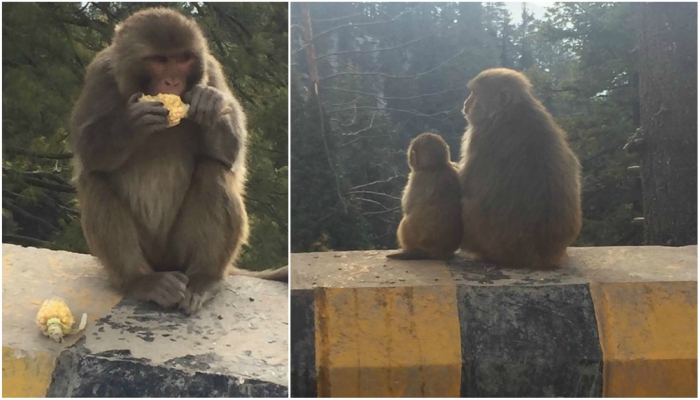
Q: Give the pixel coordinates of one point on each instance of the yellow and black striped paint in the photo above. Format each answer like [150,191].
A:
[614,322]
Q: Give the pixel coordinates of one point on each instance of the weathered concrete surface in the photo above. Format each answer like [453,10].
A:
[236,346]
[522,333]
[29,276]
[591,264]
[363,269]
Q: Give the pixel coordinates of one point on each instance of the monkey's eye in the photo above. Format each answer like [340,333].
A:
[183,58]
[159,59]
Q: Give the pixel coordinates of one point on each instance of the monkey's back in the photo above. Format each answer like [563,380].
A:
[430,225]
[522,189]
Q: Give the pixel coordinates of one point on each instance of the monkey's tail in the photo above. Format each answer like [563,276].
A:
[399,256]
[279,274]
[403,255]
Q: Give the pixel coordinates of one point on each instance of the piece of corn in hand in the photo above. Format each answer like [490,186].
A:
[178,109]
[171,102]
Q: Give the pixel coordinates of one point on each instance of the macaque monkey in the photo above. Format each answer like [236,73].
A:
[431,227]
[521,189]
[162,207]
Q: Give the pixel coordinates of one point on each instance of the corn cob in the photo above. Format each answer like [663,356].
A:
[56,321]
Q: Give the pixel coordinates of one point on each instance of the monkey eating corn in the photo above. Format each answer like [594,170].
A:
[176,107]
[56,321]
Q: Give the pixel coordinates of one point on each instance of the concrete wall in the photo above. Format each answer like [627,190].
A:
[615,321]
[236,346]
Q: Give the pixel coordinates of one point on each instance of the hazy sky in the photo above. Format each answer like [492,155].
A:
[537,9]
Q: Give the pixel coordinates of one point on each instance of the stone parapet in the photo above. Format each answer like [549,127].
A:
[614,321]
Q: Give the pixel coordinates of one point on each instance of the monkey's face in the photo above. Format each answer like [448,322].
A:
[169,73]
[477,104]
[468,103]
[158,51]
[476,107]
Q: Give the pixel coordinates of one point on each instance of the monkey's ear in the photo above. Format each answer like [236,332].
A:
[412,158]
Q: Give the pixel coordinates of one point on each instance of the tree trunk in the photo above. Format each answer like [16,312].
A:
[668,94]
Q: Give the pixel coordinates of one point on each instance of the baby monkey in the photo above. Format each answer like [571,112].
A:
[431,227]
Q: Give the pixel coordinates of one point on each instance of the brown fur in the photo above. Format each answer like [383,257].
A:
[163,212]
[520,180]
[431,200]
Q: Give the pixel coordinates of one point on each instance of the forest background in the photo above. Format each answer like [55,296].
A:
[368,77]
[46,48]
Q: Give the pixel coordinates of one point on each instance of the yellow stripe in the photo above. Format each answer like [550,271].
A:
[25,375]
[388,342]
[648,335]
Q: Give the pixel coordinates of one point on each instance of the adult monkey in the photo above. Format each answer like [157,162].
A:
[162,208]
[520,180]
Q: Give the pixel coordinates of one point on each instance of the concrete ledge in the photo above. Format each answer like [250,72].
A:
[235,347]
[615,321]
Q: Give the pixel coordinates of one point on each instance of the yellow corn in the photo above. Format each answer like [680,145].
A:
[55,319]
[173,103]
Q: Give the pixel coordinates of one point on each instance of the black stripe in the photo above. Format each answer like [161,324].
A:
[303,344]
[529,341]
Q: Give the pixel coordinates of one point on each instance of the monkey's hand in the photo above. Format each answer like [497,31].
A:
[146,117]
[206,104]
[223,136]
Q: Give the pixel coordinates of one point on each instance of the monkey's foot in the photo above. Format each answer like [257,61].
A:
[166,289]
[197,294]
[193,302]
[471,254]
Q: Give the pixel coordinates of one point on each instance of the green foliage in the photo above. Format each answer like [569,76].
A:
[591,86]
[389,71]
[46,47]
